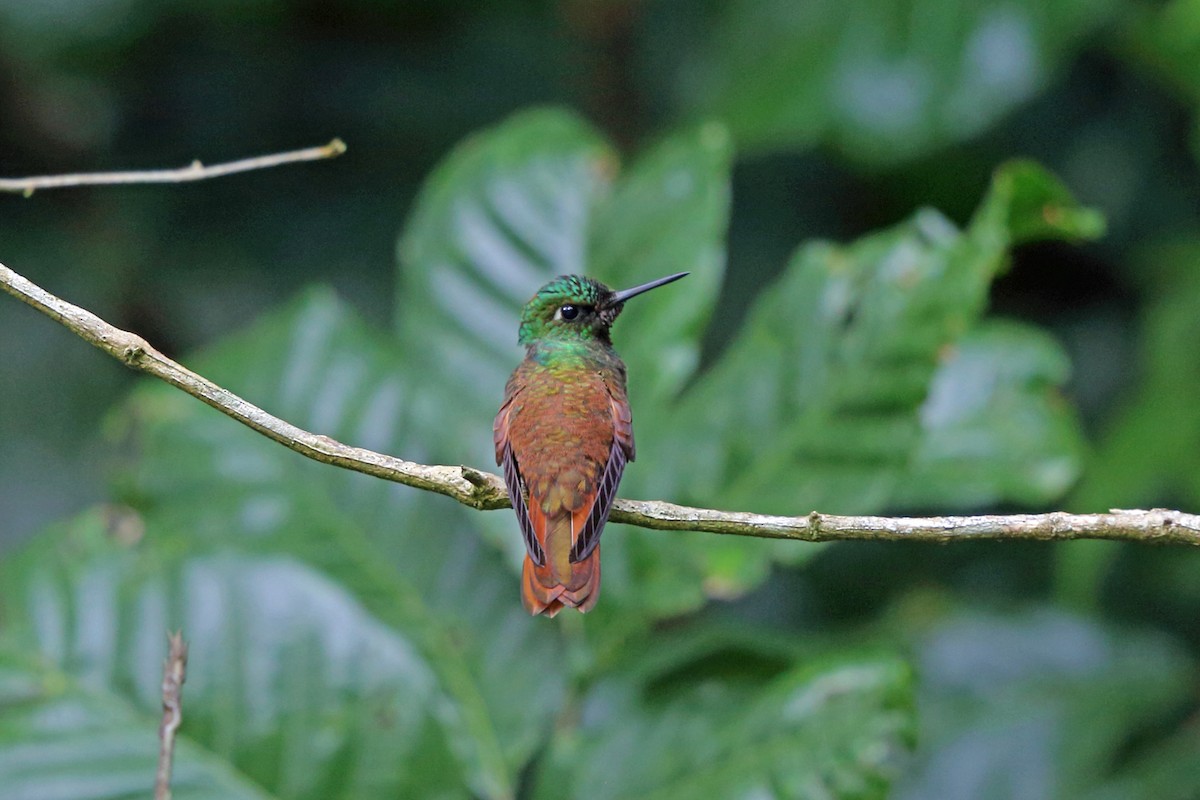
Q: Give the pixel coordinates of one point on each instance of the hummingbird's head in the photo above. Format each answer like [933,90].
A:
[577,308]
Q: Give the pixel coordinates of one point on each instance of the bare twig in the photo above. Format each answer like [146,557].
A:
[192,172]
[485,491]
[174,673]
[137,353]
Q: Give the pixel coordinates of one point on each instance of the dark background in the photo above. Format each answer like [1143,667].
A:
[846,117]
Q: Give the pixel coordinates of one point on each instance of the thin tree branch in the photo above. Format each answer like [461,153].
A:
[192,172]
[174,673]
[137,353]
[485,491]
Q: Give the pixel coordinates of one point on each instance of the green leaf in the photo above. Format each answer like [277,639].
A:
[539,196]
[882,81]
[1040,704]
[818,402]
[668,213]
[508,209]
[1026,203]
[827,729]
[534,197]
[291,681]
[405,557]
[822,401]
[62,740]
[994,427]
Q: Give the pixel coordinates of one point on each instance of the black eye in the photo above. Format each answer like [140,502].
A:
[569,312]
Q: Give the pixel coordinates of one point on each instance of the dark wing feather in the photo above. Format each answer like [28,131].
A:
[589,537]
[516,491]
[512,475]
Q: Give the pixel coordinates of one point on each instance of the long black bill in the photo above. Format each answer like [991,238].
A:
[622,296]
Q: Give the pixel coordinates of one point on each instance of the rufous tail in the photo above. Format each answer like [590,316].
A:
[543,592]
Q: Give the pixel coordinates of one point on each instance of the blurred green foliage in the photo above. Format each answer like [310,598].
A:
[840,345]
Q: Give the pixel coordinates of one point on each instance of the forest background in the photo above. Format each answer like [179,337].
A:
[946,259]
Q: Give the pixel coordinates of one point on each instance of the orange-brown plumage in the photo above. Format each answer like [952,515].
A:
[561,428]
[564,434]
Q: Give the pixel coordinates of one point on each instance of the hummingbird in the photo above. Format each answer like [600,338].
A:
[564,434]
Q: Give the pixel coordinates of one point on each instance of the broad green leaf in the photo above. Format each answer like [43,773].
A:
[1040,704]
[64,740]
[538,196]
[994,427]
[882,81]
[822,401]
[510,208]
[667,214]
[817,403]
[291,681]
[834,728]
[408,559]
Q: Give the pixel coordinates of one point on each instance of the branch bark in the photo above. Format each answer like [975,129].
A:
[486,491]
[192,172]
[174,673]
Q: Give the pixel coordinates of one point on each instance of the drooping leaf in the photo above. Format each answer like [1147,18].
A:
[1026,203]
